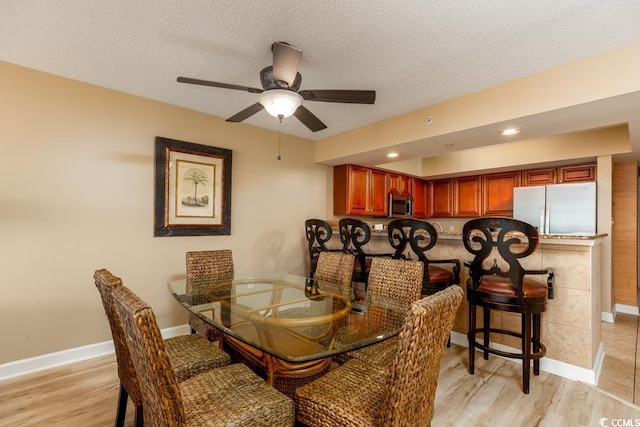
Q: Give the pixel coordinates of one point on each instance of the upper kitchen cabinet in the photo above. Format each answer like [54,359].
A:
[497,193]
[562,174]
[420,193]
[440,198]
[399,183]
[359,191]
[466,196]
[577,173]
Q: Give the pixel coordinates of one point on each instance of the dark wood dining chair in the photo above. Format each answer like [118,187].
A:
[413,238]
[318,233]
[230,395]
[354,235]
[500,285]
[189,354]
[360,393]
[398,279]
[208,265]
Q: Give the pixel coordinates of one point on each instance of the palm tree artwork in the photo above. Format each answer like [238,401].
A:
[196,177]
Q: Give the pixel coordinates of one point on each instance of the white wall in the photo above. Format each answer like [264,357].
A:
[76,194]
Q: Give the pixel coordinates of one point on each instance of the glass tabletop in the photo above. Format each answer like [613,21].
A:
[291,317]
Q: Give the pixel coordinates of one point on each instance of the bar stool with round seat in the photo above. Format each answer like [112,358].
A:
[413,238]
[502,286]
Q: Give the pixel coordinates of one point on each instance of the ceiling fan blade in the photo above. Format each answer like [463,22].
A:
[246,113]
[286,60]
[218,84]
[344,96]
[309,119]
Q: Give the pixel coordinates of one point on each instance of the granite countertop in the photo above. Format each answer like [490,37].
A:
[453,234]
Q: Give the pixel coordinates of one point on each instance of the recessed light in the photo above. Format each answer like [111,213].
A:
[392,155]
[511,131]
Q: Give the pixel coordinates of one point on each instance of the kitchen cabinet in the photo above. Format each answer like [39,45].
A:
[539,177]
[419,190]
[399,183]
[577,173]
[441,198]
[466,196]
[558,175]
[359,190]
[497,193]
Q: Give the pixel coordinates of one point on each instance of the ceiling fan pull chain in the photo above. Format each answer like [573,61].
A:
[280,117]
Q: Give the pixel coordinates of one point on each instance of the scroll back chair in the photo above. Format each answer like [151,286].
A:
[409,236]
[230,395]
[213,264]
[189,354]
[318,233]
[401,394]
[506,288]
[354,235]
[391,278]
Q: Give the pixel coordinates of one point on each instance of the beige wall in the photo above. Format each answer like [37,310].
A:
[76,194]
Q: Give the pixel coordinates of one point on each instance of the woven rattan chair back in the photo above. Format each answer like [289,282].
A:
[396,278]
[411,386]
[107,283]
[161,397]
[207,265]
[335,267]
[216,264]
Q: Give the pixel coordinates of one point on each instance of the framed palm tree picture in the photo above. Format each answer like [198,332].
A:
[192,189]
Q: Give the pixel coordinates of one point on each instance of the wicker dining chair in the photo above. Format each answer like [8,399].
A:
[402,394]
[335,267]
[214,264]
[189,354]
[230,395]
[391,278]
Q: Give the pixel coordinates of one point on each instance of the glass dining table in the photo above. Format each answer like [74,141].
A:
[289,325]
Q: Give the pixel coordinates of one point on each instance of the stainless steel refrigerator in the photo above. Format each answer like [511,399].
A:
[558,208]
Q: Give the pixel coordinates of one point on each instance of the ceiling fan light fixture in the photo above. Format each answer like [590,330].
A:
[280,103]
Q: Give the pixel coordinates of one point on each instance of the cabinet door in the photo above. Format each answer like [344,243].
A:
[466,196]
[419,192]
[377,204]
[399,183]
[441,198]
[577,173]
[497,193]
[358,191]
[539,177]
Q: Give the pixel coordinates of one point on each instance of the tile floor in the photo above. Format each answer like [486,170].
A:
[620,369]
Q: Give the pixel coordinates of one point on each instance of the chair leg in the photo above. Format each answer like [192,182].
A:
[486,324]
[121,411]
[471,336]
[526,351]
[138,420]
[536,342]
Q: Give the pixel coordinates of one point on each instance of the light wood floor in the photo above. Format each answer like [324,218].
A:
[85,393]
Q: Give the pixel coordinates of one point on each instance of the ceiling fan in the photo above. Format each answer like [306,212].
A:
[280,94]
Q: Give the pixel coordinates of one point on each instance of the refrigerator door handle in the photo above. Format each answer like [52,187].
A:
[547,228]
[542,223]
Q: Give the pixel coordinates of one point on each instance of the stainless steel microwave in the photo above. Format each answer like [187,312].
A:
[400,205]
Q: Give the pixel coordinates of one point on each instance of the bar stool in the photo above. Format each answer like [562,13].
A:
[354,235]
[318,233]
[505,289]
[408,236]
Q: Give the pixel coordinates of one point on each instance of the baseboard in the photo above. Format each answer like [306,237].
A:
[59,358]
[556,367]
[609,317]
[627,309]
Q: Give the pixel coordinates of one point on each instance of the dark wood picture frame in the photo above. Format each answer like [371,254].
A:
[180,168]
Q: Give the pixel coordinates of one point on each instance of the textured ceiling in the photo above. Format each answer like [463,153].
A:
[413,53]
